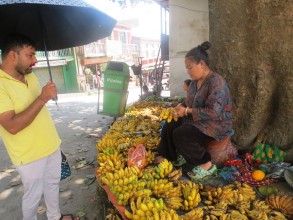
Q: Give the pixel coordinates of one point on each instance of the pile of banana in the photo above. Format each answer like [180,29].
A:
[168,114]
[159,192]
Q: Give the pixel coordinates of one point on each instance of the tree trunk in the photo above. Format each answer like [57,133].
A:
[252,47]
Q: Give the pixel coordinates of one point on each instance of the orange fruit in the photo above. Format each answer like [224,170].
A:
[258,175]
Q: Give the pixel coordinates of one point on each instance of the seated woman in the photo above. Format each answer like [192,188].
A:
[205,116]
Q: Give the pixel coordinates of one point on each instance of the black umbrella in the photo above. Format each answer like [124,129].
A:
[54,24]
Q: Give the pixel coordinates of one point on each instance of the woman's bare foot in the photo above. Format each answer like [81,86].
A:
[206,166]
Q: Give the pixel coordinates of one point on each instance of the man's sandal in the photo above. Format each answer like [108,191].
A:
[66,215]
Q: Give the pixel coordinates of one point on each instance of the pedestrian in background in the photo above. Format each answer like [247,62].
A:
[186,84]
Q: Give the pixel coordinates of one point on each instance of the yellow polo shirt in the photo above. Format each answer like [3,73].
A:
[37,140]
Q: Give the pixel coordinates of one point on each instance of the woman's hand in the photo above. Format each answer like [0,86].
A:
[180,110]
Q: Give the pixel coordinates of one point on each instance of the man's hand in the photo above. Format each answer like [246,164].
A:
[48,92]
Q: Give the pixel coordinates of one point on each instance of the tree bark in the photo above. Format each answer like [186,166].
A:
[252,47]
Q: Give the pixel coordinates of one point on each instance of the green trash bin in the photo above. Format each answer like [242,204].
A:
[116,80]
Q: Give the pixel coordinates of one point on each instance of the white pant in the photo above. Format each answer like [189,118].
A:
[41,177]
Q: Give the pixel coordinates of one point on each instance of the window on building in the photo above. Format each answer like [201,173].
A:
[122,36]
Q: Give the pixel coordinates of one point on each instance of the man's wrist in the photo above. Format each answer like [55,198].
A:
[43,100]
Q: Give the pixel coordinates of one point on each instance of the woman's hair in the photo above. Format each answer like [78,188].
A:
[199,53]
[187,81]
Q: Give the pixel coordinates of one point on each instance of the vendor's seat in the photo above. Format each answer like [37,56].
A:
[221,151]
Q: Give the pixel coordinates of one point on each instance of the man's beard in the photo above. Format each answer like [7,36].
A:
[24,72]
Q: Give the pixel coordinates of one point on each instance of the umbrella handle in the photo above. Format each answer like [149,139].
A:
[55,98]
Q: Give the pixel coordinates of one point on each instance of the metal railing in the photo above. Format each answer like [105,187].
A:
[56,54]
[129,49]
[98,49]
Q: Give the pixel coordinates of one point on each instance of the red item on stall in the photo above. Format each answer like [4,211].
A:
[137,156]
[234,163]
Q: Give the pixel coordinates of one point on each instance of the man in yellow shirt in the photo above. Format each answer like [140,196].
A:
[27,128]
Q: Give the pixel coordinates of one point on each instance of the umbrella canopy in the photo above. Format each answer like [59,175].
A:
[54,24]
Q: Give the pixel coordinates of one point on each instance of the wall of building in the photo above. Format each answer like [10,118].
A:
[189,27]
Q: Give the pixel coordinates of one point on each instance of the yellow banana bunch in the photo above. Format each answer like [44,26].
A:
[222,205]
[196,213]
[123,198]
[147,176]
[153,141]
[283,203]
[106,142]
[108,166]
[124,145]
[168,215]
[191,198]
[233,214]
[174,202]
[172,192]
[143,193]
[163,169]
[243,206]
[210,194]
[275,215]
[257,214]
[168,114]
[246,191]
[150,157]
[103,157]
[156,183]
[217,212]
[149,208]
[175,175]
[261,205]
[120,187]
[161,189]
[138,140]
[188,183]
[237,192]
[120,177]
